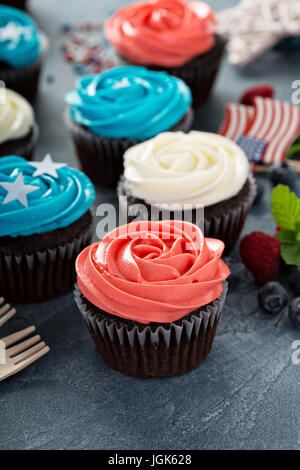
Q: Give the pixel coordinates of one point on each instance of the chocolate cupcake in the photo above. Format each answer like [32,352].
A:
[200,177]
[22,49]
[20,4]
[172,35]
[45,222]
[112,111]
[151,294]
[18,129]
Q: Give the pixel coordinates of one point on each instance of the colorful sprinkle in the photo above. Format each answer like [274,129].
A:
[65,27]
[85,47]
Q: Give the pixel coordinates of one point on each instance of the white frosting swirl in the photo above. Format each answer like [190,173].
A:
[16,117]
[198,168]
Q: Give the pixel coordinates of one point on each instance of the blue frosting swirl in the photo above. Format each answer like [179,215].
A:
[19,38]
[129,102]
[56,204]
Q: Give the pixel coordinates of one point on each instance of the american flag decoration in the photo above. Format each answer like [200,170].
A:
[236,120]
[264,131]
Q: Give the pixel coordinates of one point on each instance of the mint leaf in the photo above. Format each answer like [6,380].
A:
[285,207]
[287,236]
[286,212]
[291,253]
[293,151]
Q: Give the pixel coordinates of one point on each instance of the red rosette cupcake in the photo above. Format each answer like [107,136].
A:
[172,35]
[151,294]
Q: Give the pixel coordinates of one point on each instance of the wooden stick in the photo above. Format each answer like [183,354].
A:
[265,168]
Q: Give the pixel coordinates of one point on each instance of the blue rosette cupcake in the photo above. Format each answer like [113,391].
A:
[22,49]
[45,222]
[110,112]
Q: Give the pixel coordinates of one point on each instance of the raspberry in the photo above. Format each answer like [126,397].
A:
[264,90]
[260,253]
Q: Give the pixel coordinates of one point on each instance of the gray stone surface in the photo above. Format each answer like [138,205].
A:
[245,395]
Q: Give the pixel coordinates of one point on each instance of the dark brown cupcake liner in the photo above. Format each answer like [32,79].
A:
[199,73]
[25,80]
[101,158]
[43,274]
[228,224]
[24,147]
[154,350]
[20,4]
[223,221]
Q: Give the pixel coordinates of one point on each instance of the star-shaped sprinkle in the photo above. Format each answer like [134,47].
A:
[122,83]
[18,191]
[254,26]
[12,32]
[47,167]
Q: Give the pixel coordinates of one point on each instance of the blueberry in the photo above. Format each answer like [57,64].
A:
[272,297]
[283,174]
[288,44]
[65,27]
[294,279]
[50,79]
[294,312]
[238,271]
[260,191]
[78,69]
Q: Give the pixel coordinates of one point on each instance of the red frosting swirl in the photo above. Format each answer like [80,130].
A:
[152,271]
[162,32]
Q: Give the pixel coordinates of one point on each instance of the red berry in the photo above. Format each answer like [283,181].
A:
[277,230]
[264,90]
[69,56]
[260,253]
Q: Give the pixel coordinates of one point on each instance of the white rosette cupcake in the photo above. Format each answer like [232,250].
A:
[18,129]
[184,173]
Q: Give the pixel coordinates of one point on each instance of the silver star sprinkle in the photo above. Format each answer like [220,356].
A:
[47,167]
[13,32]
[18,191]
[254,26]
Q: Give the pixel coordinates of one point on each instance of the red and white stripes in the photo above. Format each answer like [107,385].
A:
[236,120]
[273,122]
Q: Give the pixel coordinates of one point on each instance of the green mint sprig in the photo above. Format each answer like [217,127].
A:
[286,212]
[294,150]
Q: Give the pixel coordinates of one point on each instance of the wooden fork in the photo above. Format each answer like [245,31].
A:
[19,356]
[6,312]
